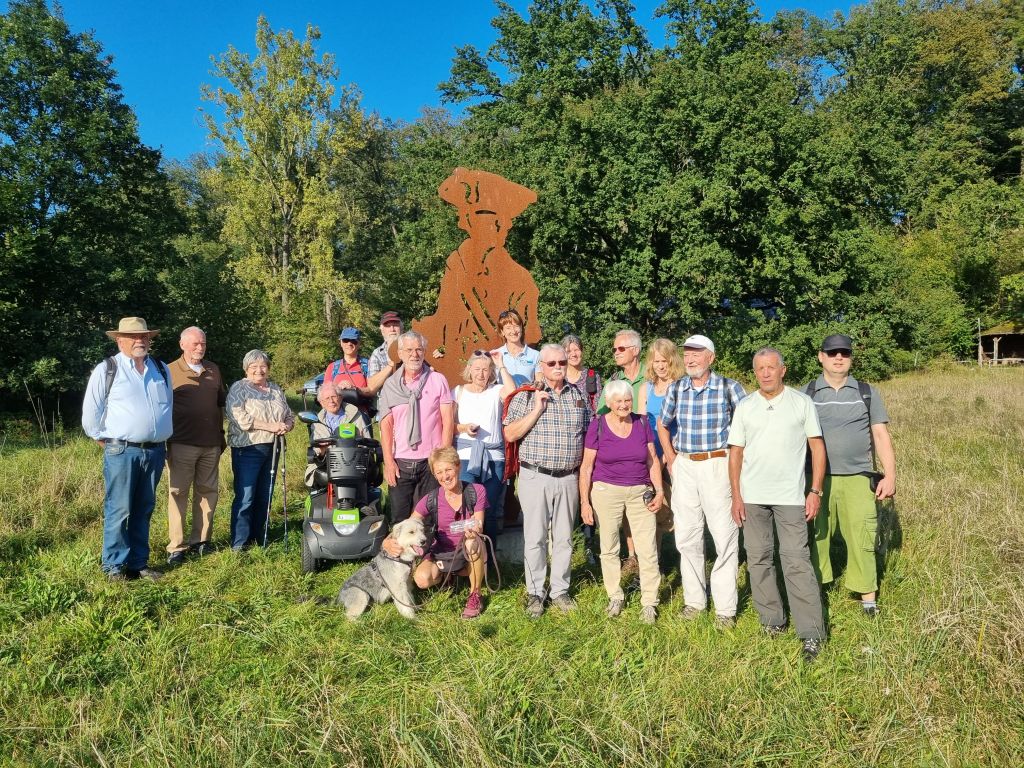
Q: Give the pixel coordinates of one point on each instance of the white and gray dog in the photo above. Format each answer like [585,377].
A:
[385,578]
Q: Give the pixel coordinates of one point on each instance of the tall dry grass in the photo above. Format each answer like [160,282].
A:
[219,665]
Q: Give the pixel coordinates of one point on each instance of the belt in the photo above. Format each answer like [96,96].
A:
[546,471]
[721,453]
[115,442]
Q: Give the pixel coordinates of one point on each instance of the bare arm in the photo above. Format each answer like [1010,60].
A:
[586,473]
[813,502]
[665,438]
[375,382]
[447,423]
[387,445]
[654,469]
[887,458]
[739,513]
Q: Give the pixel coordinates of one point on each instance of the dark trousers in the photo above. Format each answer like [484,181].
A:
[415,480]
[253,469]
[801,584]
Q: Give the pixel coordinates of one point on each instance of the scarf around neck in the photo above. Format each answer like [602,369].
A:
[395,392]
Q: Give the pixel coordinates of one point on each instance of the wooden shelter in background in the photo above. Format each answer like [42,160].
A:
[1002,344]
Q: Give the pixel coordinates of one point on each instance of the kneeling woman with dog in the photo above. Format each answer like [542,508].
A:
[456,510]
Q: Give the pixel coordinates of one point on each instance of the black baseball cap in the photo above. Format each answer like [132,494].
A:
[837,341]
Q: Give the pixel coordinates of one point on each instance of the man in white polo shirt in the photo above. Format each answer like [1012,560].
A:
[770,433]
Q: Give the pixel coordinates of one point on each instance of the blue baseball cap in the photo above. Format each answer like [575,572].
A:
[350,334]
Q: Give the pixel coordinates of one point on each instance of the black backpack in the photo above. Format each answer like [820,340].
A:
[468,501]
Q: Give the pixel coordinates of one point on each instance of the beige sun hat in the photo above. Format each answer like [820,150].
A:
[132,325]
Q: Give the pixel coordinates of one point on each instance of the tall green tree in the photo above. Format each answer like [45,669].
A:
[287,130]
[86,215]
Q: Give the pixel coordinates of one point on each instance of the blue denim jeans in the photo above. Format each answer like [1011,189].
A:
[130,477]
[495,488]
[253,469]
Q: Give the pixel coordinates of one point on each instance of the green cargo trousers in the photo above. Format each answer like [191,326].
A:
[849,507]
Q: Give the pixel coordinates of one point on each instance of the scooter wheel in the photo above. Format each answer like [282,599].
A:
[310,564]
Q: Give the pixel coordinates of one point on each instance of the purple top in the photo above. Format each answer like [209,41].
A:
[445,540]
[620,460]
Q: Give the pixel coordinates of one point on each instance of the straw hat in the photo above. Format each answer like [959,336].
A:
[132,325]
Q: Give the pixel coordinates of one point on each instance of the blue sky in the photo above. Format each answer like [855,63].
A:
[395,52]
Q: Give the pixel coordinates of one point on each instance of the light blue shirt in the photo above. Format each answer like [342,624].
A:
[138,408]
[521,367]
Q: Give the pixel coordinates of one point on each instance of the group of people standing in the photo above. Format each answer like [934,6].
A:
[665,446]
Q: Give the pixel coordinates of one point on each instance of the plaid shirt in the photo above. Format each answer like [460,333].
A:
[702,416]
[378,360]
[556,440]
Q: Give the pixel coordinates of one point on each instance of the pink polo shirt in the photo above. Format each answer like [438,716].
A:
[435,394]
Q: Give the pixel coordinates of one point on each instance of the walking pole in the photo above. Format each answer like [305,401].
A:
[284,486]
[270,496]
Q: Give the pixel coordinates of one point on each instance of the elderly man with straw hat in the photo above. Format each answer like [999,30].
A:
[127,410]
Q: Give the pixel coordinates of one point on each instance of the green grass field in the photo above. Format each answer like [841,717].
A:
[219,665]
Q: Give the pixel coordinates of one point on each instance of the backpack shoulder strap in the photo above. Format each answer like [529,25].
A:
[163,370]
[865,395]
[335,369]
[468,499]
[809,389]
[364,363]
[432,504]
[111,372]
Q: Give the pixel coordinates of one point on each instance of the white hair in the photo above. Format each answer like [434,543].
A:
[552,348]
[632,336]
[412,335]
[768,351]
[190,330]
[616,389]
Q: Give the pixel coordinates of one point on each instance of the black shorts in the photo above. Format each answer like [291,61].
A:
[452,561]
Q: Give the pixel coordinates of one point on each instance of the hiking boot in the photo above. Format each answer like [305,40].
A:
[630,567]
[564,603]
[143,573]
[648,614]
[691,612]
[534,606]
[724,622]
[474,606]
[589,554]
[614,608]
[773,630]
[176,558]
[871,611]
[116,576]
[811,649]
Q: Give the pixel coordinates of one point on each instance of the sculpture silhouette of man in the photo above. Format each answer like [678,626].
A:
[481,279]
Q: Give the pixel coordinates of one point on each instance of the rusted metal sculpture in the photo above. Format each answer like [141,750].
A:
[480,278]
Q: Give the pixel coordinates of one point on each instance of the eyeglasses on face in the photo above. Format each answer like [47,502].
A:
[622,349]
[350,341]
[556,363]
[839,353]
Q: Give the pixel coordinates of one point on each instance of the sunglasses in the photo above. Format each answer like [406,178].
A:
[480,353]
[621,349]
[556,363]
[350,341]
[839,353]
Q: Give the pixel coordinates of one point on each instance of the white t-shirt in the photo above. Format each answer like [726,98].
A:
[774,435]
[483,408]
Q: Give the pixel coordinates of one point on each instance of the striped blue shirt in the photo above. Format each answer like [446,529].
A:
[701,416]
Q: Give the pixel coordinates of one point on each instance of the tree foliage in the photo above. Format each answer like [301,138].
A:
[86,215]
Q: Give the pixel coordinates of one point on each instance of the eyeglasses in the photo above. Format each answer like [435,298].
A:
[556,363]
[350,341]
[839,353]
[623,349]
[480,353]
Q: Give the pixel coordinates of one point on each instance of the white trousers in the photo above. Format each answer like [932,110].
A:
[701,494]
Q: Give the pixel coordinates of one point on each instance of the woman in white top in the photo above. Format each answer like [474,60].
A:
[478,433]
